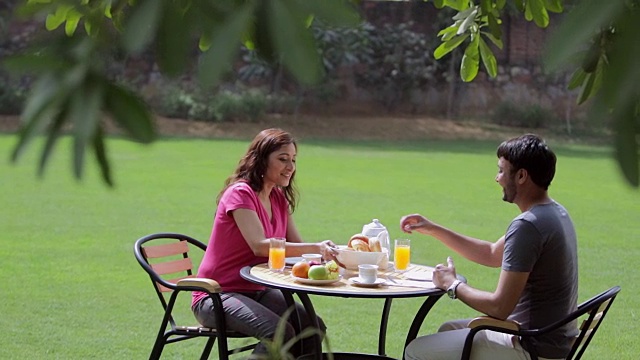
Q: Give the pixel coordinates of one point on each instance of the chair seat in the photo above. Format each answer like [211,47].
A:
[347,356]
[202,330]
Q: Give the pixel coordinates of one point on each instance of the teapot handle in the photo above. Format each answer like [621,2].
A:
[383,237]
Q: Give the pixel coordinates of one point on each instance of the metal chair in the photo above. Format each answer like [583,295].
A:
[593,311]
[165,255]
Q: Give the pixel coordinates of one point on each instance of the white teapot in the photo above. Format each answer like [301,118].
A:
[379,231]
[376,229]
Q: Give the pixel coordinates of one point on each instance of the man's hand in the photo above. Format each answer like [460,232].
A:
[444,275]
[415,222]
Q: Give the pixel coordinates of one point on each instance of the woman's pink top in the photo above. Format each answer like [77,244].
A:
[228,251]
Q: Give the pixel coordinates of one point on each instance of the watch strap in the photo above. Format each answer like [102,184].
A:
[451,290]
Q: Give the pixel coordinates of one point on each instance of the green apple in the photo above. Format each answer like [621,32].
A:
[318,272]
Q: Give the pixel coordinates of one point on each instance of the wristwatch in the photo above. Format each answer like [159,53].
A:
[451,290]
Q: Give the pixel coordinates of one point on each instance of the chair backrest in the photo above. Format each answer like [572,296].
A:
[165,258]
[595,310]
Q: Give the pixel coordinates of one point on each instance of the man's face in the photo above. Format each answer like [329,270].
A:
[506,178]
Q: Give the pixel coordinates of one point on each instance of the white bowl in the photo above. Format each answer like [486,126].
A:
[351,258]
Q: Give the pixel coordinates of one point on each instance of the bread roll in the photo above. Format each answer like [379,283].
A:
[359,245]
[358,237]
[374,244]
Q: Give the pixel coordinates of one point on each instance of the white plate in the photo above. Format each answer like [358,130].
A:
[290,261]
[315,282]
[419,276]
[358,282]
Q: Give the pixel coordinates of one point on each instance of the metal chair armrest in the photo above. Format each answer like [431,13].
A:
[204,284]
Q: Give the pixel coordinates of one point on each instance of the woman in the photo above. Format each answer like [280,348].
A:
[255,204]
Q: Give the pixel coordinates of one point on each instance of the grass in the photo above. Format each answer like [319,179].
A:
[71,288]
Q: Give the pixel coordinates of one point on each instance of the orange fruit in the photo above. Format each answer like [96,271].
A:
[300,269]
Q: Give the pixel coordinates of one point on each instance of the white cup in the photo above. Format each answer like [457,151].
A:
[368,273]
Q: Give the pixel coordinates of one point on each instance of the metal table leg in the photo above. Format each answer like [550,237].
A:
[419,319]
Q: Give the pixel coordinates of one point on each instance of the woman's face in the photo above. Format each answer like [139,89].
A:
[280,166]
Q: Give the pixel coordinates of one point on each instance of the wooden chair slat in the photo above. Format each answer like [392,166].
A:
[174,266]
[158,251]
[173,281]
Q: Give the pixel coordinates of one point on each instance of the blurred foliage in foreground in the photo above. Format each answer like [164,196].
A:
[596,38]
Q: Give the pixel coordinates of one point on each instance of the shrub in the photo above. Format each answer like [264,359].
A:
[187,102]
[13,95]
[528,115]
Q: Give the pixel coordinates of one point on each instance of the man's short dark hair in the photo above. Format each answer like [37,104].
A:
[531,153]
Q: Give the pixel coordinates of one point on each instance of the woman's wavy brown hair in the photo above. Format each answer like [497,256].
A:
[253,164]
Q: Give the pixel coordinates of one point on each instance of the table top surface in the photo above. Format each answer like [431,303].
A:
[395,284]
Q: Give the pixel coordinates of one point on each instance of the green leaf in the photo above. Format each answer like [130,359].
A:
[461,15]
[488,59]
[130,112]
[205,42]
[294,41]
[226,37]
[486,6]
[140,28]
[41,105]
[457,4]
[500,4]
[520,5]
[574,32]
[38,63]
[73,18]
[528,14]
[447,46]
[173,43]
[494,26]
[554,5]
[448,30]
[55,130]
[337,13]
[577,79]
[84,114]
[496,41]
[588,88]
[470,61]
[539,13]
[101,156]
[56,19]
[625,125]
[622,80]
[468,21]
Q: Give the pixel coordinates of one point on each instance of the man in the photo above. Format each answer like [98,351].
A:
[538,281]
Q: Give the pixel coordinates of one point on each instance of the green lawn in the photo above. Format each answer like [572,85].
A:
[71,288]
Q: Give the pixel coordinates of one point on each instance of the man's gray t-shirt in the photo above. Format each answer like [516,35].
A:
[542,241]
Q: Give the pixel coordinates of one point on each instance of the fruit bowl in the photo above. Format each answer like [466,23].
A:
[351,258]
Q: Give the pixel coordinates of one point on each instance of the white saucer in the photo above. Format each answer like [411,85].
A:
[419,276]
[358,282]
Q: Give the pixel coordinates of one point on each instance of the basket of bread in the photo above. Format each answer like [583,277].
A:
[362,249]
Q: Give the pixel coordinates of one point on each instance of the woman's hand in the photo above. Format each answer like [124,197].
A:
[444,275]
[415,222]
[327,249]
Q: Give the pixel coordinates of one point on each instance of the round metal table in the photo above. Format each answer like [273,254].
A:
[396,286]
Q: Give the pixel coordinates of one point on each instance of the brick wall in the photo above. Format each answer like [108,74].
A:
[521,79]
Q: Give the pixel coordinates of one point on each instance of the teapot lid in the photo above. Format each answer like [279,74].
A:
[374,226]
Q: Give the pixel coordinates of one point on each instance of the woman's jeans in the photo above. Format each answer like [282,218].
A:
[257,314]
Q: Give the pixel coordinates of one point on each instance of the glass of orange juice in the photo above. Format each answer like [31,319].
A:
[402,254]
[276,254]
